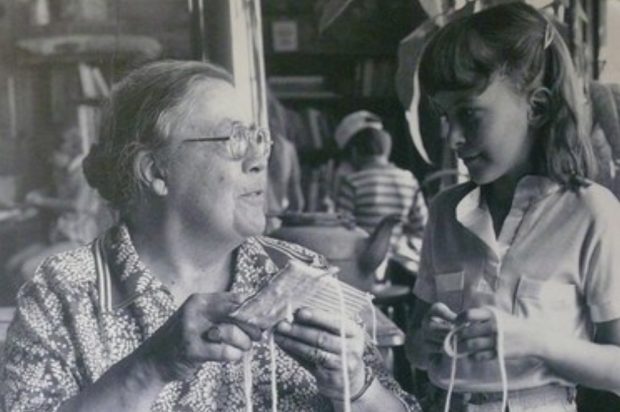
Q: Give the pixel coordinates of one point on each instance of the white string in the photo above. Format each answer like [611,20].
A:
[374,319]
[289,312]
[274,382]
[247,380]
[450,346]
[343,347]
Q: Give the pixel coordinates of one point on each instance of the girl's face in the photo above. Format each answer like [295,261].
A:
[489,131]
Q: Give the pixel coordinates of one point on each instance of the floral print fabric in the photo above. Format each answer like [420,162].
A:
[61,341]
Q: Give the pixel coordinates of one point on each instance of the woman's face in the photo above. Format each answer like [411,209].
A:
[207,190]
[489,131]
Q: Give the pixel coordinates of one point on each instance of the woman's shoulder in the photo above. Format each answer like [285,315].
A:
[64,273]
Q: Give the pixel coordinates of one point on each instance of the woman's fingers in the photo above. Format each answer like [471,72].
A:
[215,307]
[484,355]
[312,336]
[228,334]
[308,354]
[329,322]
[219,352]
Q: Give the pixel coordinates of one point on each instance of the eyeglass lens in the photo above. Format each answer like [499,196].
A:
[241,138]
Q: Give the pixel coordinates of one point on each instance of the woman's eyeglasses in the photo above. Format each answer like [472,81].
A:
[240,139]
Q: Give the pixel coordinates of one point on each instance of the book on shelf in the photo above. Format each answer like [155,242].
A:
[373,78]
[300,87]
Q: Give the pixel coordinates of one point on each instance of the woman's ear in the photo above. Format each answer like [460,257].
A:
[539,102]
[150,173]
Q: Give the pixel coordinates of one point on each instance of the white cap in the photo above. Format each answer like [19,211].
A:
[353,123]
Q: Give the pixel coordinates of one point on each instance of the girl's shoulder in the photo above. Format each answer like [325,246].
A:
[598,201]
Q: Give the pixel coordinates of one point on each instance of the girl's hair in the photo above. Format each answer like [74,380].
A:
[138,116]
[517,41]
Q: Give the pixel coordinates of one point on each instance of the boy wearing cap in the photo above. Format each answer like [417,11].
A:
[377,188]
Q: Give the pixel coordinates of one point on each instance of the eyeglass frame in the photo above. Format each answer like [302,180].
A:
[250,140]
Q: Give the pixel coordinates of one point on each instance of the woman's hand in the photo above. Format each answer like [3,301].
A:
[313,339]
[435,325]
[199,331]
[478,336]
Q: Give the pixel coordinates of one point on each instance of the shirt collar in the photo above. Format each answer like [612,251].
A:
[473,213]
[252,267]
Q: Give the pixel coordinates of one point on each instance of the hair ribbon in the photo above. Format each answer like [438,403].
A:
[548,35]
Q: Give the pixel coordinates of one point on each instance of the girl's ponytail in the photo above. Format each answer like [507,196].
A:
[565,139]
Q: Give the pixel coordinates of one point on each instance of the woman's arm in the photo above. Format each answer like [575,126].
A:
[196,333]
[42,371]
[132,384]
[375,398]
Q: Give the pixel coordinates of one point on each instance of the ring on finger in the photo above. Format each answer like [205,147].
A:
[213,334]
[321,358]
[320,340]
[314,356]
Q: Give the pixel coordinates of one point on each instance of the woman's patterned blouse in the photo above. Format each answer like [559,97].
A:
[61,340]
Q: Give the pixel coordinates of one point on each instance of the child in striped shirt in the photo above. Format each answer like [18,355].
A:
[378,188]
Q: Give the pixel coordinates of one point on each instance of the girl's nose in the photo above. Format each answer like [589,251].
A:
[454,136]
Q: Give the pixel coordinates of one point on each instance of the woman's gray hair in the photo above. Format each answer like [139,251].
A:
[138,117]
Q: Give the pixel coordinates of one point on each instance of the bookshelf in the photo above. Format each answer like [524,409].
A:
[325,76]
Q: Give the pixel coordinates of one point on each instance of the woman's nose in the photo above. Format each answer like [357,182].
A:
[255,164]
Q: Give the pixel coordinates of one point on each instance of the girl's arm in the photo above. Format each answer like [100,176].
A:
[593,364]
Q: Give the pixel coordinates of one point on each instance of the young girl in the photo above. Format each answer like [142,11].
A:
[530,245]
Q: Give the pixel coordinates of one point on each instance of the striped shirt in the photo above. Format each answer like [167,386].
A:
[380,190]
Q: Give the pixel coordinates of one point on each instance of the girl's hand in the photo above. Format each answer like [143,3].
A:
[478,338]
[313,339]
[199,331]
[435,326]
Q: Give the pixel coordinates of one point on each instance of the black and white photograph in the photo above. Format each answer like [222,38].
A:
[309,205]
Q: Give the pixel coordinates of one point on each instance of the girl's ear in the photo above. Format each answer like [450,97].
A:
[150,173]
[539,101]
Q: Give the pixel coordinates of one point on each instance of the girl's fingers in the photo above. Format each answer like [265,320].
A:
[472,346]
[474,315]
[477,329]
[442,311]
[483,356]
[433,347]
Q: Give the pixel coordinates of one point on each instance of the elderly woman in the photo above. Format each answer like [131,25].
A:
[139,320]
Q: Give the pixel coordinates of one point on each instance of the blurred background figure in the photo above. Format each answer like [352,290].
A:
[346,129]
[78,213]
[376,188]
[284,174]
